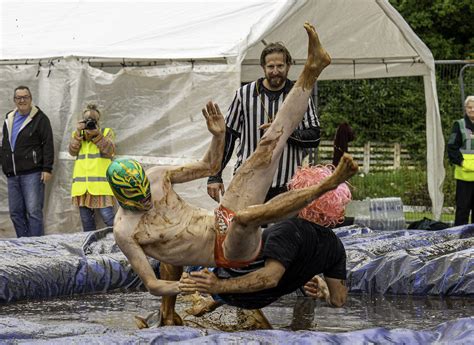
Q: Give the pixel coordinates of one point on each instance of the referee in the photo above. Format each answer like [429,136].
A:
[251,113]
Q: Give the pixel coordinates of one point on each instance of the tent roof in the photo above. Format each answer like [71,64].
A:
[353,31]
[365,38]
[350,29]
[126,29]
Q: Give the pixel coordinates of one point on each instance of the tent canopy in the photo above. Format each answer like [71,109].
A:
[192,51]
[126,29]
[360,34]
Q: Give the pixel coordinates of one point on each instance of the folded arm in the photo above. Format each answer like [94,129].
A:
[309,136]
[305,138]
[211,162]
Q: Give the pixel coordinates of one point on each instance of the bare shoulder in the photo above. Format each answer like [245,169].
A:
[125,223]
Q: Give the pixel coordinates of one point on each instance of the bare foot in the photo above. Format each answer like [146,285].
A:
[318,58]
[155,319]
[252,319]
[202,305]
[147,321]
[346,168]
[174,321]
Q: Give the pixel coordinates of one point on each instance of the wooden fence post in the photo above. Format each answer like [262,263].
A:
[397,151]
[367,157]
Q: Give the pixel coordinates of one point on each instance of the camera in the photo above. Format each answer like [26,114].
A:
[90,124]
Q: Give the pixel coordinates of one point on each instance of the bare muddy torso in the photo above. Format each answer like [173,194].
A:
[173,231]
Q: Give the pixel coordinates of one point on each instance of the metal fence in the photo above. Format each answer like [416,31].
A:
[391,111]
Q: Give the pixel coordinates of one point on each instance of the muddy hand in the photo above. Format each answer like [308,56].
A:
[317,288]
[214,119]
[186,285]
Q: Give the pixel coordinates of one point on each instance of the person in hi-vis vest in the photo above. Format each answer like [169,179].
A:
[93,148]
[461,154]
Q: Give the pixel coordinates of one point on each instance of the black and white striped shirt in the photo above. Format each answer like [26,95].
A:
[252,106]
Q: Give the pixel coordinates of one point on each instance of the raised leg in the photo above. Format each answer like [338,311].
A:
[289,203]
[253,179]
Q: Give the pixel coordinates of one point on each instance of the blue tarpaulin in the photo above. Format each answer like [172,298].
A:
[14,331]
[414,262]
[394,262]
[61,265]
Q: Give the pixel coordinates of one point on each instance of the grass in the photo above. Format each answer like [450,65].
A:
[408,184]
[414,216]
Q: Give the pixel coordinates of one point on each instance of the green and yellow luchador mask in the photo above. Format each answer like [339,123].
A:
[129,184]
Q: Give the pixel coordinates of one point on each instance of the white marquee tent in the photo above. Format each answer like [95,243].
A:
[171,57]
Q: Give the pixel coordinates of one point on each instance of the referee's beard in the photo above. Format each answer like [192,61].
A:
[276,82]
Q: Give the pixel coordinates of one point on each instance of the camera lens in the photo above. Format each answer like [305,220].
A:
[90,124]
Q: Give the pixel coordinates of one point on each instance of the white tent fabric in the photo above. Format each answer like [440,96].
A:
[196,51]
[128,29]
[155,113]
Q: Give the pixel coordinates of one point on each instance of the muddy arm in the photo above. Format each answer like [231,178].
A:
[337,292]
[291,202]
[139,262]
[333,291]
[210,164]
[261,279]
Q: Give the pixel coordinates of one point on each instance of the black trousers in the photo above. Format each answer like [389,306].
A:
[464,202]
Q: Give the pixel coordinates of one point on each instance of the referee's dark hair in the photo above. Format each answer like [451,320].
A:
[276,47]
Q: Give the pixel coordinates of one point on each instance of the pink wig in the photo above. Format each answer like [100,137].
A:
[327,210]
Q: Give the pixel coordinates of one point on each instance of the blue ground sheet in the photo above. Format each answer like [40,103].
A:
[404,262]
[459,331]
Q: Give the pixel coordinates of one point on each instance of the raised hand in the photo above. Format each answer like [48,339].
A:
[214,119]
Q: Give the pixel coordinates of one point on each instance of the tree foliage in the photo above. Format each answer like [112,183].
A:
[392,110]
[446,26]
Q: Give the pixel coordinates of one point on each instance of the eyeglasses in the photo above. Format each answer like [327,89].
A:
[22,98]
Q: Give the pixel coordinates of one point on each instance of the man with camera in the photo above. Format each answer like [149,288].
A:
[93,148]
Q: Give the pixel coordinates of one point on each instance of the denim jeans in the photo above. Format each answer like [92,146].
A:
[25,201]
[88,217]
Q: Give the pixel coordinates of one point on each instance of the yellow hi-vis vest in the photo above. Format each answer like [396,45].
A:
[466,171]
[90,169]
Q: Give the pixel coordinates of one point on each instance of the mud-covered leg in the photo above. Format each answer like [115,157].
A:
[166,316]
[169,317]
[289,203]
[253,179]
